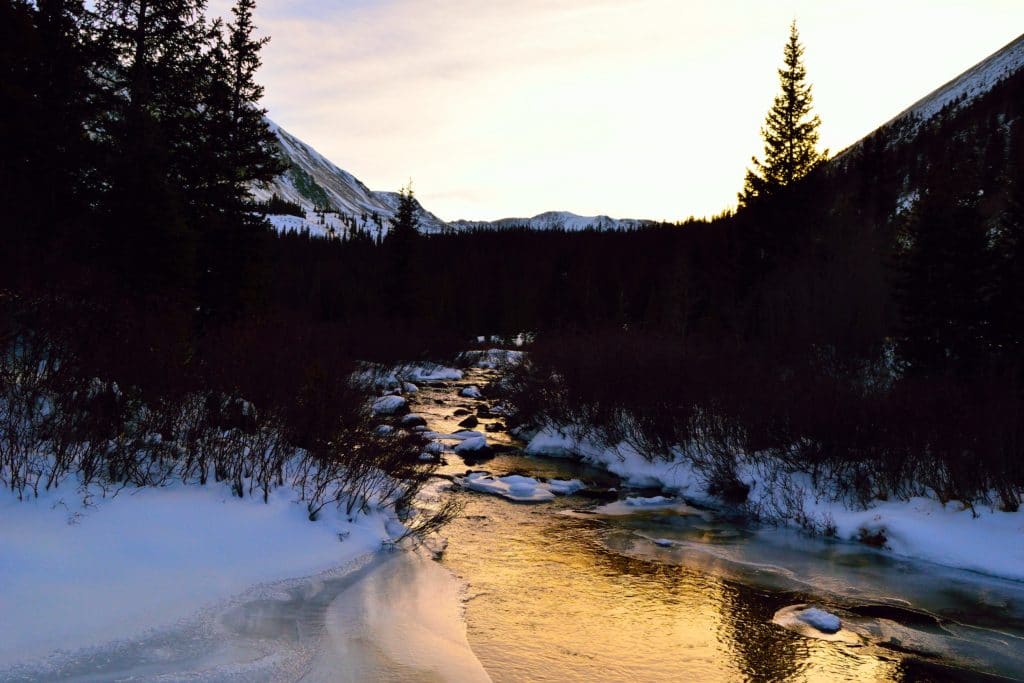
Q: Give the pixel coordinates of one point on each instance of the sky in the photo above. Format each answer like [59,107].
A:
[630,108]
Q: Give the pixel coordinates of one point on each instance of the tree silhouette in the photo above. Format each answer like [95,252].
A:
[790,132]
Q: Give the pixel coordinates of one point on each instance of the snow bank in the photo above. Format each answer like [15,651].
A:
[990,543]
[984,540]
[402,621]
[622,460]
[75,576]
[402,378]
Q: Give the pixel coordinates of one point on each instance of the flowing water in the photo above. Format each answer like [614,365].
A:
[558,593]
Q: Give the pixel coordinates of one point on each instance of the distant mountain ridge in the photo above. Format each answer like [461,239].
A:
[555,220]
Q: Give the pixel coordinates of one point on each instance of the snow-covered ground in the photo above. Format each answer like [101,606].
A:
[330,225]
[982,539]
[75,576]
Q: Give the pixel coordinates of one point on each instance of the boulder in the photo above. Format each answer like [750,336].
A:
[390,405]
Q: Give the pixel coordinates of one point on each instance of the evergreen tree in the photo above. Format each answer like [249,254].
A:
[400,244]
[46,100]
[404,226]
[239,149]
[252,142]
[790,132]
[152,67]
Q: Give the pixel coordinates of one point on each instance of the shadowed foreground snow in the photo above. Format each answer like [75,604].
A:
[75,576]
[188,583]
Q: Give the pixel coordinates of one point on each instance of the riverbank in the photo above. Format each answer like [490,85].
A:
[979,538]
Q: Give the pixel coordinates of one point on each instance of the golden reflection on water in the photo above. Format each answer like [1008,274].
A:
[557,597]
[549,602]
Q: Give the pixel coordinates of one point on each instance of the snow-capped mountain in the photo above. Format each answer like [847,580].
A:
[335,201]
[554,220]
[315,183]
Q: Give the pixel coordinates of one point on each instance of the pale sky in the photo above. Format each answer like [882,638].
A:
[631,108]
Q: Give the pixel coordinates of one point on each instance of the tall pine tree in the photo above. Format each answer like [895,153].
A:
[790,132]
[239,149]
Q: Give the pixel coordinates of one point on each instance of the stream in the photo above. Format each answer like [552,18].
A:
[558,593]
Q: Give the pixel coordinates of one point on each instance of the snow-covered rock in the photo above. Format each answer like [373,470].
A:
[826,622]
[413,420]
[514,487]
[519,488]
[471,391]
[476,444]
[390,405]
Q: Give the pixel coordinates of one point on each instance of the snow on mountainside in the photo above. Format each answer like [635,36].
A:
[555,220]
[972,83]
[959,92]
[335,201]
